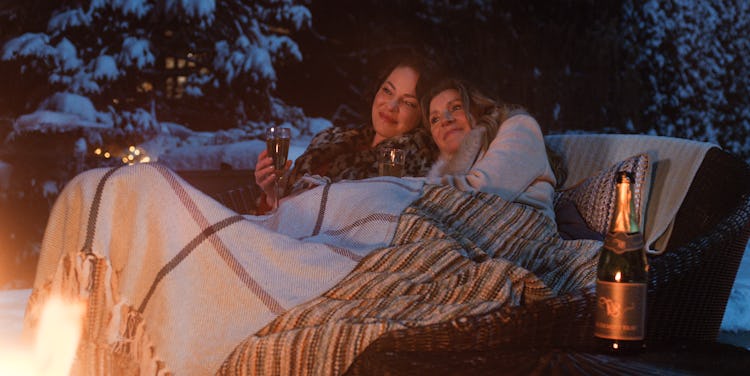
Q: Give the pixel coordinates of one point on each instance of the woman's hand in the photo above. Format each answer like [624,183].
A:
[265,176]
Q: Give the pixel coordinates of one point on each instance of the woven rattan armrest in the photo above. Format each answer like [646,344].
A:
[692,280]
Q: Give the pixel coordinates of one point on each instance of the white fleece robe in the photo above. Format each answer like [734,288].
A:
[514,167]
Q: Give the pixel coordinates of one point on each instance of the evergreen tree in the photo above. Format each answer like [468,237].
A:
[170,58]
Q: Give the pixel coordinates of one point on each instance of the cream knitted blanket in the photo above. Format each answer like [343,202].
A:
[174,280]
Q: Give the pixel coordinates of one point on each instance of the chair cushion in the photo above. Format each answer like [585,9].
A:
[594,197]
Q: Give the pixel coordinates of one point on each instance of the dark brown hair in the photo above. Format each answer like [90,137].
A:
[409,58]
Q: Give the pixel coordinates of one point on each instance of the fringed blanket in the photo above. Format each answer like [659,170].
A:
[176,283]
[175,280]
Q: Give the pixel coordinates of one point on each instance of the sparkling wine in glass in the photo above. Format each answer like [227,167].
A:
[277,143]
[391,162]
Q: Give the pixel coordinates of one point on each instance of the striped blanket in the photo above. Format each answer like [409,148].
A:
[178,284]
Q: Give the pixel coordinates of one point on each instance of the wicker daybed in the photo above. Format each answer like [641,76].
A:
[690,282]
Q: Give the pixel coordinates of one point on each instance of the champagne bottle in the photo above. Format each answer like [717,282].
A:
[622,276]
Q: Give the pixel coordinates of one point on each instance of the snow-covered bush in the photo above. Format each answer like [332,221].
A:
[695,66]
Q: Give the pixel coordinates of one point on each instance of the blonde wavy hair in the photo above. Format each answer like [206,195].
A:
[481,110]
[484,111]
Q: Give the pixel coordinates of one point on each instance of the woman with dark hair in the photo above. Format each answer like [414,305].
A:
[487,146]
[340,153]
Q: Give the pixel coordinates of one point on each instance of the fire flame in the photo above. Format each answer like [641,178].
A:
[54,347]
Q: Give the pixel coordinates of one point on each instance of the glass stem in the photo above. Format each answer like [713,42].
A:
[278,191]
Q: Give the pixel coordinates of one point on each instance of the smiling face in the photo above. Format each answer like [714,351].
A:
[448,121]
[395,109]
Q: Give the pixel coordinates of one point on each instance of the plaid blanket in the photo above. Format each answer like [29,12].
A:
[178,284]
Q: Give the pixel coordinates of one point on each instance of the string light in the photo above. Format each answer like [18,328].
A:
[133,155]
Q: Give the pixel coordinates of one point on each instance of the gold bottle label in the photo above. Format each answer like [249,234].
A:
[620,310]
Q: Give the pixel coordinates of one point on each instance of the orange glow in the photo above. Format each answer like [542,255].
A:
[54,347]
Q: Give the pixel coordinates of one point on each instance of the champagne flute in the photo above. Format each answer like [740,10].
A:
[391,162]
[277,143]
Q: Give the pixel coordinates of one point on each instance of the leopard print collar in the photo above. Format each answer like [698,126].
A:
[345,154]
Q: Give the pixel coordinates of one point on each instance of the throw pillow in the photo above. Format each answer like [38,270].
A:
[594,197]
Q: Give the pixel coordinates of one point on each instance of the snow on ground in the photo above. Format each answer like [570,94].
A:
[239,155]
[12,306]
[737,314]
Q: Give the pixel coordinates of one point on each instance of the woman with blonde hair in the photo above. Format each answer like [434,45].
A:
[487,146]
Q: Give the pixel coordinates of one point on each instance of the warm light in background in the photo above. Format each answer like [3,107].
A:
[145,86]
[133,154]
[55,345]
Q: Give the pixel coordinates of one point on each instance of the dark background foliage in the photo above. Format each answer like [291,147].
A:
[562,60]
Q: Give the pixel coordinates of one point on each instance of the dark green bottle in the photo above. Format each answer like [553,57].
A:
[622,276]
